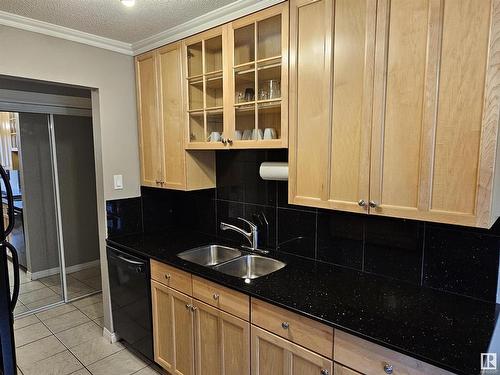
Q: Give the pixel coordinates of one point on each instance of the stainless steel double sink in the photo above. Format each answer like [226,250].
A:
[231,261]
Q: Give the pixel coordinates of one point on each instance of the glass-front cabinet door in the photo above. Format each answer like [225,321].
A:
[204,60]
[258,65]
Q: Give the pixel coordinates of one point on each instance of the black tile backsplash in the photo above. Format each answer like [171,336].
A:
[124,216]
[451,258]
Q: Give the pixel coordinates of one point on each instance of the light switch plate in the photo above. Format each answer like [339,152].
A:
[118,181]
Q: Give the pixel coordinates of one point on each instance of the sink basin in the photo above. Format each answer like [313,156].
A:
[250,266]
[210,255]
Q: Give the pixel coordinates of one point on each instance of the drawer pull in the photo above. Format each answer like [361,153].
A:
[216,296]
[325,372]
[167,276]
[388,369]
[285,325]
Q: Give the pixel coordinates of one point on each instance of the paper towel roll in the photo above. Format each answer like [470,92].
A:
[274,171]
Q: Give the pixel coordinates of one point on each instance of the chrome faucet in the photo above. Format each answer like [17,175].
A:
[252,236]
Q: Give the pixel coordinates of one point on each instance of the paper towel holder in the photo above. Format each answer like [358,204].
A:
[274,171]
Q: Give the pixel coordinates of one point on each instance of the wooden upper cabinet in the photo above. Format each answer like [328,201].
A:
[331,79]
[164,161]
[394,108]
[436,111]
[205,81]
[149,129]
[257,105]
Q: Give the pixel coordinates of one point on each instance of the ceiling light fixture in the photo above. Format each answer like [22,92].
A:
[128,3]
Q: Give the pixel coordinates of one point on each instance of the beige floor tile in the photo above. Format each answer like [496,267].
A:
[94,350]
[86,274]
[38,350]
[26,321]
[44,302]
[88,300]
[121,363]
[63,363]
[77,335]
[146,371]
[99,322]
[66,321]
[30,287]
[20,308]
[55,311]
[93,311]
[83,371]
[36,295]
[54,280]
[31,333]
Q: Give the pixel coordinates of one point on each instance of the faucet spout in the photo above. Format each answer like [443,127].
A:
[251,236]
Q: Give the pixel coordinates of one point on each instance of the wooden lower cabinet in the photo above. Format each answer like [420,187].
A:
[338,369]
[272,355]
[222,342]
[172,329]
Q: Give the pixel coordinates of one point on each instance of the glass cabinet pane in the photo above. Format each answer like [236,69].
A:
[269,80]
[244,84]
[214,91]
[245,123]
[213,54]
[195,94]
[244,45]
[195,59]
[269,37]
[269,120]
[196,127]
[215,125]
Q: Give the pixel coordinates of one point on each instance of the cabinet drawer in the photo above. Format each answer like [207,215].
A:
[223,298]
[369,358]
[298,329]
[171,277]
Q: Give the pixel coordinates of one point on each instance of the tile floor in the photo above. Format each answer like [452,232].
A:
[34,294]
[68,340]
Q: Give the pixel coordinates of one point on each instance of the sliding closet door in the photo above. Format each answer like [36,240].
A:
[74,149]
[35,203]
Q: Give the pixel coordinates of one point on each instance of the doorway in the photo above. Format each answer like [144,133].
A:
[50,162]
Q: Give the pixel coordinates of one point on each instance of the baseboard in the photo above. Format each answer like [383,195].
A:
[112,337]
[57,270]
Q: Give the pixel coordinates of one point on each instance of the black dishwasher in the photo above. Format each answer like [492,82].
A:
[130,290]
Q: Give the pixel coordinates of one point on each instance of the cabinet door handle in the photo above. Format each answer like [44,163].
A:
[167,276]
[325,372]
[373,204]
[361,203]
[216,296]
[189,306]
[285,325]
[194,308]
[388,368]
[230,141]
[224,141]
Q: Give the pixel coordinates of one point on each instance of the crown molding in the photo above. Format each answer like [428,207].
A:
[41,27]
[214,18]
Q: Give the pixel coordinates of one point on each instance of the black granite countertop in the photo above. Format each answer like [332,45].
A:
[446,330]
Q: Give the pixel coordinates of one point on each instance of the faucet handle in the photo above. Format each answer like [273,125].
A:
[252,225]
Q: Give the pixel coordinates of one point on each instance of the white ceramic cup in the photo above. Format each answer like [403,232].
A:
[257,134]
[214,137]
[247,135]
[270,133]
[238,134]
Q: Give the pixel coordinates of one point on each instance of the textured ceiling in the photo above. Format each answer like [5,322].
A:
[111,19]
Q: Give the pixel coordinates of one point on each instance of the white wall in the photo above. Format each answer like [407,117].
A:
[111,75]
[37,56]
